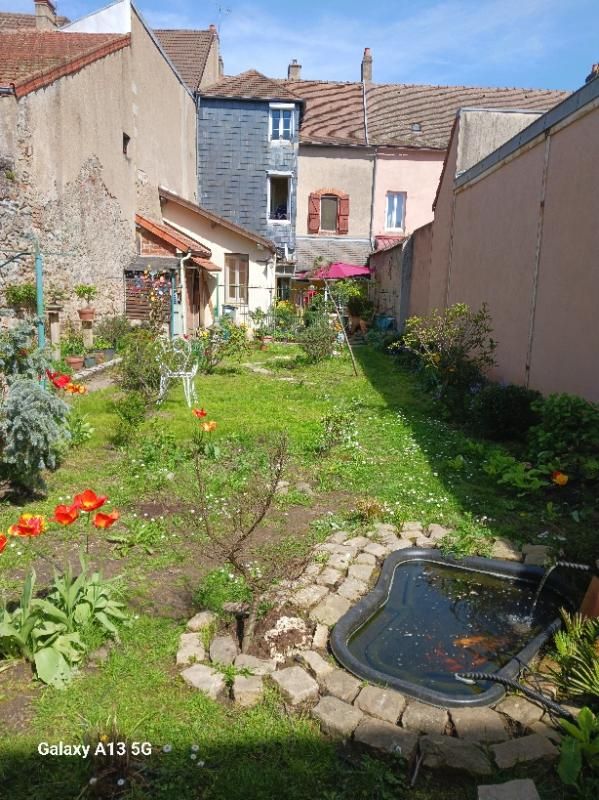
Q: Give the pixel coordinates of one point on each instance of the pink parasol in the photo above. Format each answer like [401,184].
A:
[335,272]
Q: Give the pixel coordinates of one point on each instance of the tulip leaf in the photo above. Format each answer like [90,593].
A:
[52,667]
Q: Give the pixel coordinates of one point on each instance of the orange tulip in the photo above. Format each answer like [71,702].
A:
[66,515]
[559,478]
[3,542]
[28,525]
[102,520]
[89,501]
[208,427]
[199,412]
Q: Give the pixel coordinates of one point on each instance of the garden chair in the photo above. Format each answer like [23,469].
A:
[177,361]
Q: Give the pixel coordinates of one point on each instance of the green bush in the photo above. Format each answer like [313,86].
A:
[567,436]
[504,412]
[130,408]
[139,370]
[113,330]
[21,295]
[19,355]
[222,586]
[318,341]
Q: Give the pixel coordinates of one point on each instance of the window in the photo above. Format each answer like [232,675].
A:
[281,123]
[126,140]
[395,212]
[237,270]
[329,205]
[278,188]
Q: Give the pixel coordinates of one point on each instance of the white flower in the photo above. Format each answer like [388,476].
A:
[195,747]
[120,782]
[167,748]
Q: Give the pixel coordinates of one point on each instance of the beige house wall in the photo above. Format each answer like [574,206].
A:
[417,304]
[211,72]
[441,238]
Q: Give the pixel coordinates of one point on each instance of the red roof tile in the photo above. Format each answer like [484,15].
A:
[333,112]
[188,51]
[30,60]
[250,85]
[10,21]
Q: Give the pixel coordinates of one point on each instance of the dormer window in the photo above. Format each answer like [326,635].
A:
[281,122]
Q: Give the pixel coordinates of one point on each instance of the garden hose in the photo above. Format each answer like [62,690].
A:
[555,708]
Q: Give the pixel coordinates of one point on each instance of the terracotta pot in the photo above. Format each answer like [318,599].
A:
[87,314]
[74,362]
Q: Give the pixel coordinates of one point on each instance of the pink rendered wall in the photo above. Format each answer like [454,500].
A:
[421,269]
[415,172]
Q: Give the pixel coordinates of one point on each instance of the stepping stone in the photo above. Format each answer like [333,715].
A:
[536,554]
[313,570]
[437,532]
[321,637]
[375,549]
[384,528]
[304,488]
[403,544]
[201,620]
[392,543]
[506,550]
[387,738]
[352,589]
[223,650]
[310,596]
[512,790]
[527,748]
[248,691]
[336,717]
[340,560]
[330,610]
[410,536]
[479,724]
[315,662]
[361,572]
[424,541]
[206,680]
[296,686]
[365,558]
[339,537]
[446,752]
[330,577]
[521,710]
[382,703]
[357,541]
[341,684]
[546,730]
[259,666]
[191,650]
[282,487]
[411,526]
[424,718]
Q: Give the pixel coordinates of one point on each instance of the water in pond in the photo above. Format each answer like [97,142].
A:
[439,620]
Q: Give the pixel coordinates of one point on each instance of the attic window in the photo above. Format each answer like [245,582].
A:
[126,140]
[416,127]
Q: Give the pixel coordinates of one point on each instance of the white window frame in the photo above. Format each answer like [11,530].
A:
[403,217]
[289,176]
[281,107]
[240,298]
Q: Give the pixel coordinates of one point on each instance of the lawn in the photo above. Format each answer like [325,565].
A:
[394,456]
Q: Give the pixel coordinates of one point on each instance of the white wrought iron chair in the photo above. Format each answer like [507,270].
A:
[177,362]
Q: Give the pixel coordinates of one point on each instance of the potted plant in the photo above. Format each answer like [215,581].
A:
[72,350]
[262,331]
[89,359]
[22,297]
[87,292]
[103,350]
[55,298]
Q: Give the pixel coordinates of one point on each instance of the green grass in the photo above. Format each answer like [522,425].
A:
[405,458]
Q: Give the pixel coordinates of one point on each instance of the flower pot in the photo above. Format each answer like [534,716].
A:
[87,314]
[54,308]
[89,361]
[100,356]
[74,362]
[109,353]
[266,342]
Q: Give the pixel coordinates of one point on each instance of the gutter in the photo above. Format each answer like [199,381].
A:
[8,90]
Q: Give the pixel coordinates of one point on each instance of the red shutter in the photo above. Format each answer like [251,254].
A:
[343,215]
[313,213]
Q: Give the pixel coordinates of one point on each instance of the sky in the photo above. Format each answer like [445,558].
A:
[524,43]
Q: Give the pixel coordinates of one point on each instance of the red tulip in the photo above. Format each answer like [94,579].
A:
[89,501]
[66,515]
[28,525]
[3,542]
[199,413]
[102,520]
[559,478]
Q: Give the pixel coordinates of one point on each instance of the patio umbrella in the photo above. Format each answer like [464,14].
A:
[335,272]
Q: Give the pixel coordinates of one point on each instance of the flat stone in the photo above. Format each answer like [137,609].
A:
[330,577]
[361,572]
[309,596]
[258,666]
[206,680]
[341,684]
[382,703]
[506,550]
[296,686]
[410,536]
[403,544]
[223,650]
[520,709]
[437,532]
[304,488]
[191,650]
[523,789]
[352,589]
[339,537]
[546,730]
[313,569]
[411,526]
[330,609]
[375,549]
[385,737]
[365,558]
[424,718]
[282,486]
[321,637]
[424,541]
[479,724]
[536,554]
[336,717]
[382,528]
[203,619]
[392,543]
[315,662]
[527,748]
[340,560]
[357,541]
[248,691]
[446,752]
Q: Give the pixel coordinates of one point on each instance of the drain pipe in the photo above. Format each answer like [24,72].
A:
[183,292]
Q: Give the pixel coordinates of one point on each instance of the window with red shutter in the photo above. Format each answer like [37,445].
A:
[343,215]
[314,213]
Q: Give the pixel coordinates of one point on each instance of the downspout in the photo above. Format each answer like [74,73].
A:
[183,292]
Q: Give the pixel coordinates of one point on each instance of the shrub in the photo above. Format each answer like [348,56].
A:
[130,409]
[567,436]
[139,370]
[236,341]
[19,357]
[21,295]
[318,341]
[113,330]
[222,586]
[504,412]
[338,428]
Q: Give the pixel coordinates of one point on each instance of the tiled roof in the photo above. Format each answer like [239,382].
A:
[352,251]
[30,60]
[10,21]
[334,112]
[188,50]
[167,233]
[250,85]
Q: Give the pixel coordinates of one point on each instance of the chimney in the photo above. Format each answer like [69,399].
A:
[367,65]
[45,15]
[213,30]
[294,71]
[594,73]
